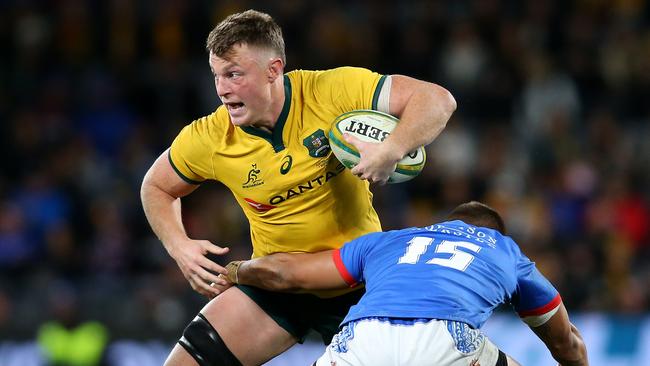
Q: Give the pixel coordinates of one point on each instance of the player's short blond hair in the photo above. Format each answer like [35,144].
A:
[250,27]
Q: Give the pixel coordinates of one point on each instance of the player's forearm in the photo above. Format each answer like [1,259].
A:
[270,273]
[163,213]
[573,353]
[562,339]
[424,117]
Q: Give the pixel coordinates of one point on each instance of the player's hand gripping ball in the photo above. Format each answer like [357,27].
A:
[372,126]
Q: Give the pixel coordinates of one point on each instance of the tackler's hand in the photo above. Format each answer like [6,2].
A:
[221,286]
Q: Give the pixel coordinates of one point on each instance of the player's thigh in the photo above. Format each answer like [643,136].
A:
[179,356]
[244,331]
[248,332]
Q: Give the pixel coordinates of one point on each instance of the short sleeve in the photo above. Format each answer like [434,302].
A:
[350,258]
[350,88]
[189,156]
[535,297]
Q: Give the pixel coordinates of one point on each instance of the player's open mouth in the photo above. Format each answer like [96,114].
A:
[233,107]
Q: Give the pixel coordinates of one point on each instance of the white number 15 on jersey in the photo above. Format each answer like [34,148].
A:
[459,259]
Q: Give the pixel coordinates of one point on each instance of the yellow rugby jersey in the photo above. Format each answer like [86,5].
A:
[294,192]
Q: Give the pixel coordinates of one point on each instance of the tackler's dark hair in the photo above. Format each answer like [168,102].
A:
[478,214]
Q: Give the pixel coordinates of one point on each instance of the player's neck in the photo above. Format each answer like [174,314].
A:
[277,96]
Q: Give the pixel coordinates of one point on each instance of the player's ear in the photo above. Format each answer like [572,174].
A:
[275,69]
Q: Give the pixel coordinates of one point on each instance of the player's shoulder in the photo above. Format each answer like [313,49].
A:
[318,77]
[206,131]
[217,122]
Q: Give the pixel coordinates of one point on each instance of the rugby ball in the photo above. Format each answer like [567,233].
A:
[372,126]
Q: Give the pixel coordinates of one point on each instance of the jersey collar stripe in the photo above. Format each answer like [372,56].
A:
[278,144]
[338,262]
[275,138]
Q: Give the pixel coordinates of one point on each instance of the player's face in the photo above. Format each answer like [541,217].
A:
[243,83]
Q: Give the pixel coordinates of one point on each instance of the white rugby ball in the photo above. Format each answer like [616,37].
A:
[372,126]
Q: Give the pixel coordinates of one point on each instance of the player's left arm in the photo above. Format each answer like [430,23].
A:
[288,272]
[423,109]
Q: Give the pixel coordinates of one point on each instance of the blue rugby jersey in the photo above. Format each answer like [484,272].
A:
[450,270]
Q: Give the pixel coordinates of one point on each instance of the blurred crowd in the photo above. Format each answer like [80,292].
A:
[551,129]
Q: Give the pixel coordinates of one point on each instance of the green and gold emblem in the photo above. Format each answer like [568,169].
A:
[317,144]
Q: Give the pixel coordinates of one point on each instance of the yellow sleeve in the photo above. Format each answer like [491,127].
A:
[350,88]
[190,156]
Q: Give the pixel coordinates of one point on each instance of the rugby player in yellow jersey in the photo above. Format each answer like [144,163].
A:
[268,144]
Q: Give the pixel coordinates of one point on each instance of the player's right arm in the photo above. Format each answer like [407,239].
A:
[563,339]
[325,270]
[161,193]
[289,272]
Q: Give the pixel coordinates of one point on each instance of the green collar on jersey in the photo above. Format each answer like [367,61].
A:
[275,138]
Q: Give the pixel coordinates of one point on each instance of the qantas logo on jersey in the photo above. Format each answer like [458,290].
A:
[259,206]
[307,186]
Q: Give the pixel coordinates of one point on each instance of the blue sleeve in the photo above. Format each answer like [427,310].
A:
[353,257]
[534,295]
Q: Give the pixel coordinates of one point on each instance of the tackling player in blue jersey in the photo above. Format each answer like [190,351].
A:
[428,292]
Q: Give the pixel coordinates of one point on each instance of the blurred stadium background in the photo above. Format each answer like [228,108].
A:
[552,128]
